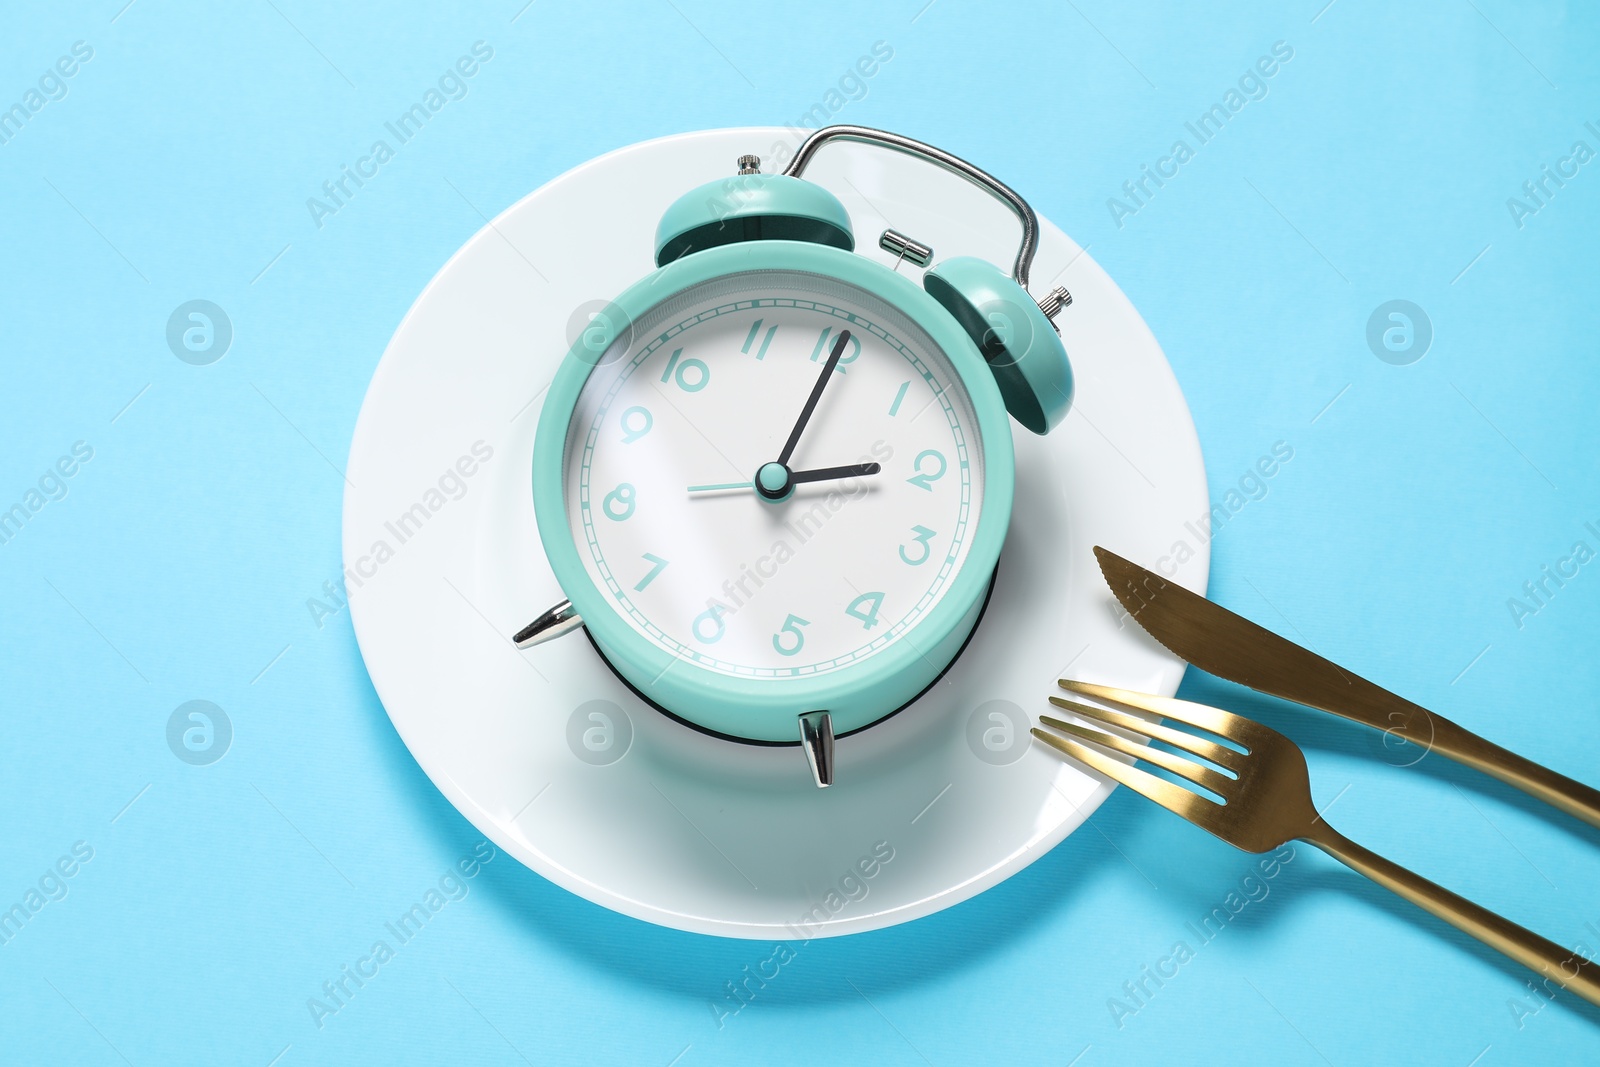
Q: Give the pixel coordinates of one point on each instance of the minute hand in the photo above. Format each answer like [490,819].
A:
[816,394]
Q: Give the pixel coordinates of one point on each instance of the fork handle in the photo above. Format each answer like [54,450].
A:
[1549,960]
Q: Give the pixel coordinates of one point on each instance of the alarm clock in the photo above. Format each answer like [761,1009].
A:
[773,477]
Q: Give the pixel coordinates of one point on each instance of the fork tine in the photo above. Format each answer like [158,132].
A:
[1225,724]
[1221,755]
[1204,777]
[1174,798]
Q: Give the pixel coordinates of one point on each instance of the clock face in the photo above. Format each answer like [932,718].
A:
[680,426]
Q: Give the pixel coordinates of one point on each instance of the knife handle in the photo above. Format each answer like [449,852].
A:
[1464,746]
[1568,969]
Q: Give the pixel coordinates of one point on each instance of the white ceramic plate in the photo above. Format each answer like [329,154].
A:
[564,768]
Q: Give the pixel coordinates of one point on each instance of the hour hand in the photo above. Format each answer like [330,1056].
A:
[828,474]
[775,480]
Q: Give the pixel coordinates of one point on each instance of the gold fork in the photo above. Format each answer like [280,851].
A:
[1267,795]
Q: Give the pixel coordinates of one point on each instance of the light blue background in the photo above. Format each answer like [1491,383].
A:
[178,566]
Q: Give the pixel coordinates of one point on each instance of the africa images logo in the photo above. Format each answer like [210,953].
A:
[338,191]
[1252,85]
[51,86]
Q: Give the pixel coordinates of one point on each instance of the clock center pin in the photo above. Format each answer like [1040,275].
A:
[772,482]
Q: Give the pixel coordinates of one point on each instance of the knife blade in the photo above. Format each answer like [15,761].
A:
[1232,647]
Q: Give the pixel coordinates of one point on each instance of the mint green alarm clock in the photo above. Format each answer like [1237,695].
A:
[774,476]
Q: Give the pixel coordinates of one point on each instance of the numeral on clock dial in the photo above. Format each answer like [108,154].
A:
[894,408]
[761,353]
[865,607]
[852,351]
[920,535]
[660,565]
[791,626]
[690,374]
[708,626]
[618,503]
[636,422]
[930,467]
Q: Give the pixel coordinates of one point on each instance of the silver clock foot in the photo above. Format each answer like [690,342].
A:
[559,620]
[816,737]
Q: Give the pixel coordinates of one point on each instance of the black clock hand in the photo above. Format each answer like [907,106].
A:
[824,474]
[784,480]
[816,394]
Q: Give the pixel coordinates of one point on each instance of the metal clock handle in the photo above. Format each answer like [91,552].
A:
[937,156]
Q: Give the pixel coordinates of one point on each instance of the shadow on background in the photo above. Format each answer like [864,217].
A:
[1188,871]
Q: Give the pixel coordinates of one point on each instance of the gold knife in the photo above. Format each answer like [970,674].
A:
[1217,641]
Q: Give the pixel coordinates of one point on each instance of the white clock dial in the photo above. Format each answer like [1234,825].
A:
[669,434]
